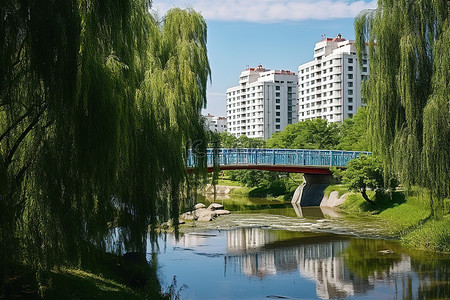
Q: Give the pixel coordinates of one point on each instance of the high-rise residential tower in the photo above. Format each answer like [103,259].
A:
[264,102]
[329,87]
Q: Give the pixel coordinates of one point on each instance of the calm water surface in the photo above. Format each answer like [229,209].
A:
[278,251]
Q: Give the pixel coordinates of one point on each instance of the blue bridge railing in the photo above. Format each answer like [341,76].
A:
[285,157]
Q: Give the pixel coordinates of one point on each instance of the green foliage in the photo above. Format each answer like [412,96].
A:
[97,104]
[433,235]
[354,132]
[407,92]
[363,173]
[228,140]
[309,134]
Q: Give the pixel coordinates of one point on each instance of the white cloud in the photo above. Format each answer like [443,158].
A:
[268,11]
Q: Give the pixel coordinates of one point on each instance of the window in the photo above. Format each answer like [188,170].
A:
[277,120]
[277,87]
[350,60]
[350,76]
[350,68]
[364,61]
[277,94]
[350,92]
[277,113]
[350,100]
[350,115]
[350,84]
[277,127]
[277,107]
[350,107]
[364,69]
[277,100]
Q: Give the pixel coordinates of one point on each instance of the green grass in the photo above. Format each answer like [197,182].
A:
[335,187]
[432,235]
[409,216]
[228,182]
[108,277]
[79,284]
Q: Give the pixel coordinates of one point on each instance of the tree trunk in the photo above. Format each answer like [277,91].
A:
[363,193]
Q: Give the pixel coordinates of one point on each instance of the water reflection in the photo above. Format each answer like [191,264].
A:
[336,266]
[316,211]
[313,257]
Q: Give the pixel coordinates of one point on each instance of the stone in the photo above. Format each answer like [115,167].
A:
[205,215]
[199,205]
[188,216]
[220,212]
[204,218]
[214,206]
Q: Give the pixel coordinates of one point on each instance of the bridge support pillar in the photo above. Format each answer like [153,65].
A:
[311,191]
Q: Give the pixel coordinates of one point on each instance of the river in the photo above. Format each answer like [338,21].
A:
[271,250]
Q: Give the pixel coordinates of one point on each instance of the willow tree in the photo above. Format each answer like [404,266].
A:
[97,103]
[408,44]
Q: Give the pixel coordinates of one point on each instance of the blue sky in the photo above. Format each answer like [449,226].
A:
[279,34]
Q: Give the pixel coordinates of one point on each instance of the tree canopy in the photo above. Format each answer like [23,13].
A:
[408,44]
[365,172]
[97,103]
[309,134]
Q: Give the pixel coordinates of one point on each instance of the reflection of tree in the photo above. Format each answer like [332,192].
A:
[363,257]
[433,272]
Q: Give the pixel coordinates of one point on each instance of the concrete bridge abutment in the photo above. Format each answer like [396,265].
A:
[311,191]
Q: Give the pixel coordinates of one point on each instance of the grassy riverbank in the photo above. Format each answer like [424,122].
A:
[408,215]
[111,277]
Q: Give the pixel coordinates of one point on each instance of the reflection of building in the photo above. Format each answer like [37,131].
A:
[243,239]
[316,260]
[255,252]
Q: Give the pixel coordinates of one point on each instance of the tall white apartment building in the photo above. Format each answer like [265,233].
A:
[329,87]
[264,102]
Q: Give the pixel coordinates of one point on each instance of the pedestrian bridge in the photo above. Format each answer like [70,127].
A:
[281,160]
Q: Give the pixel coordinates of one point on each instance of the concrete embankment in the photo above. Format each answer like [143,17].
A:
[311,191]
[333,200]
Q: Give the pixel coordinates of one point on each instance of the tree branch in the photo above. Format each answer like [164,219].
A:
[15,124]
[22,136]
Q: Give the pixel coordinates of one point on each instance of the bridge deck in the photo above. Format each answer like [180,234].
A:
[283,160]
